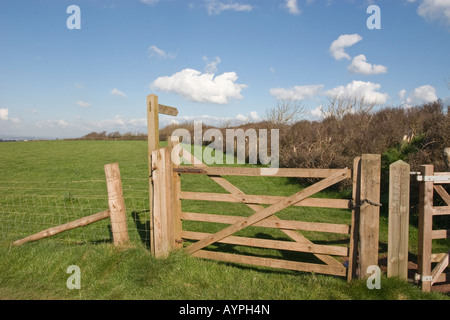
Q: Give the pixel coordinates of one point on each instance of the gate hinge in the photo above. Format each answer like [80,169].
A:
[419,277]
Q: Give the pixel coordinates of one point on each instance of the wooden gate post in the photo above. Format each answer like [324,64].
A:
[425,228]
[399,179]
[163,204]
[153,111]
[369,212]
[116,205]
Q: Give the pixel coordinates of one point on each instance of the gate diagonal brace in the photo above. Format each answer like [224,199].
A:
[269,211]
[297,237]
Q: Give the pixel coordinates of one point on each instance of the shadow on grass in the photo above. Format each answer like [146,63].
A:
[143,229]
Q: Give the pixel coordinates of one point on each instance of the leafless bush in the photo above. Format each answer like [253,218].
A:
[286,112]
[334,142]
[340,106]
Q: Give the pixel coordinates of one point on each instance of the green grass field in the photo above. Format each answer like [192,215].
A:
[47,183]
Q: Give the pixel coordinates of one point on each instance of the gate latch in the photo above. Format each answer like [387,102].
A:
[433,178]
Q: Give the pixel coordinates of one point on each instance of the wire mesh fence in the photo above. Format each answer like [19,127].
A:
[30,207]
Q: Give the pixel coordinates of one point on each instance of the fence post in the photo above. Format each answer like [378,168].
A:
[425,227]
[153,144]
[116,205]
[369,212]
[399,179]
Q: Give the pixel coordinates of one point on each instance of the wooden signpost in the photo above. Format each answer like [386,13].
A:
[153,111]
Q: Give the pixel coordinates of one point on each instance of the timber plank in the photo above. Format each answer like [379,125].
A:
[272,244]
[273,263]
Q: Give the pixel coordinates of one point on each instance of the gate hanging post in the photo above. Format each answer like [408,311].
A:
[163,211]
[399,180]
[369,212]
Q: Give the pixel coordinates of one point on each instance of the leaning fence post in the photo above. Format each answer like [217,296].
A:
[399,176]
[116,204]
[369,212]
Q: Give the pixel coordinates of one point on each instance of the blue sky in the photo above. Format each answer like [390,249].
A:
[214,60]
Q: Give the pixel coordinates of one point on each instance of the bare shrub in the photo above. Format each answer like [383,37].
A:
[340,106]
[334,142]
[286,111]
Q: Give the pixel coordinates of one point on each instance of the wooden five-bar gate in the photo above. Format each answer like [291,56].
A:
[167,216]
[431,182]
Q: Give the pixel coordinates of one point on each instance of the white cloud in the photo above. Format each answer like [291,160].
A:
[83,104]
[211,66]
[360,90]
[292,7]
[296,93]
[337,48]
[118,93]
[254,115]
[359,65]
[195,86]
[401,93]
[435,10]
[355,90]
[4,114]
[150,2]
[209,120]
[217,6]
[420,95]
[446,102]
[53,123]
[318,112]
[154,51]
